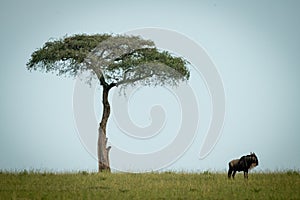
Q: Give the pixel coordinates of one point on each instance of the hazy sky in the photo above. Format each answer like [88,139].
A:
[254,45]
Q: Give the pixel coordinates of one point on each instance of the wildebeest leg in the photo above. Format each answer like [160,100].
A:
[246,174]
[233,174]
[229,171]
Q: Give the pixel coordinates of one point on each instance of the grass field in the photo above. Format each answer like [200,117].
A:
[83,185]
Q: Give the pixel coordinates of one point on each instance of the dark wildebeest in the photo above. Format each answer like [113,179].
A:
[243,164]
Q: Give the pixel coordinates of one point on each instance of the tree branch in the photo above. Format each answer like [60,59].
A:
[124,81]
[100,77]
[130,53]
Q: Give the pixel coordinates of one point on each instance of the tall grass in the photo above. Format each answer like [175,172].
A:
[168,185]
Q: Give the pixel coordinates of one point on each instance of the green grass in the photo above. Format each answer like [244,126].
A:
[83,185]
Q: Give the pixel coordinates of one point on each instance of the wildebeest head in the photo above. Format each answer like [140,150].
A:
[254,160]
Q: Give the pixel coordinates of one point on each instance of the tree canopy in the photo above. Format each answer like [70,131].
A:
[114,59]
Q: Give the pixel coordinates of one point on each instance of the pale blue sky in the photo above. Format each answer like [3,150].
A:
[254,45]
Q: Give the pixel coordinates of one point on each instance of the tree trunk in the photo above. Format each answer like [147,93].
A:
[103,151]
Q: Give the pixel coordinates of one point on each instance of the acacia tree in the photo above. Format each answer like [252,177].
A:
[115,60]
